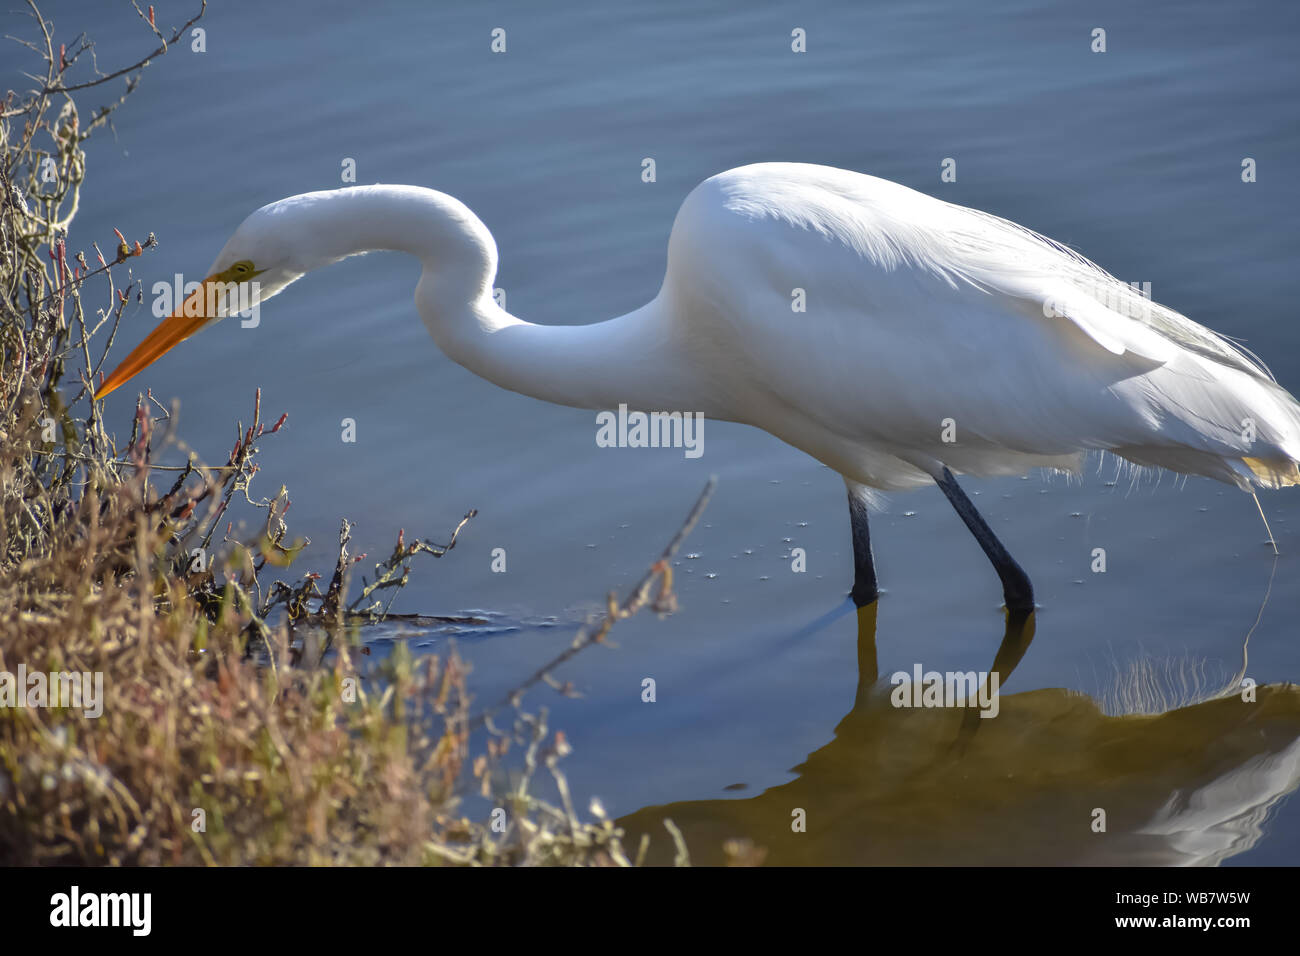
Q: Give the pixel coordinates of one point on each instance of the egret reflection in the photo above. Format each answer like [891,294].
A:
[1036,785]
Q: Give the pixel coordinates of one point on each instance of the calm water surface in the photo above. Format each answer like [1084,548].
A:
[1132,156]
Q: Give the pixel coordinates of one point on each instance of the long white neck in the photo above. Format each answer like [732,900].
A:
[630,359]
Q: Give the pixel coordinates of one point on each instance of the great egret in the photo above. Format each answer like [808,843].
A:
[893,336]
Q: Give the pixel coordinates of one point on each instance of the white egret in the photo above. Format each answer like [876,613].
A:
[932,339]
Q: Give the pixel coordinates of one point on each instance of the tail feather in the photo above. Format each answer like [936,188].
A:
[1208,419]
[1273,473]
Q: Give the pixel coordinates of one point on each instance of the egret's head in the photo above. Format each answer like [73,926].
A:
[255,264]
[287,239]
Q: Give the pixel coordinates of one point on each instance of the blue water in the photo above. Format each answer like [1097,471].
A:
[1132,156]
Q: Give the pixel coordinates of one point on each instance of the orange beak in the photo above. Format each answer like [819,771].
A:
[187,320]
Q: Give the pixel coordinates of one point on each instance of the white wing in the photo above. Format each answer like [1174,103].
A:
[925,321]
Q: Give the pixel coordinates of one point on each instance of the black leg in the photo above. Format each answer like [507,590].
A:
[864,568]
[1016,589]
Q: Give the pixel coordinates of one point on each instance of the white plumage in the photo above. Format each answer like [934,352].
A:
[919,311]
[932,337]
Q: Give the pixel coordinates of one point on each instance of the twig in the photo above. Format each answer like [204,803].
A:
[60,88]
[637,599]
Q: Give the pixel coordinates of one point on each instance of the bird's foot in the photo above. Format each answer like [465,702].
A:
[1019,599]
[864,594]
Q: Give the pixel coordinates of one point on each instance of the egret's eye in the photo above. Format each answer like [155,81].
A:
[242,268]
